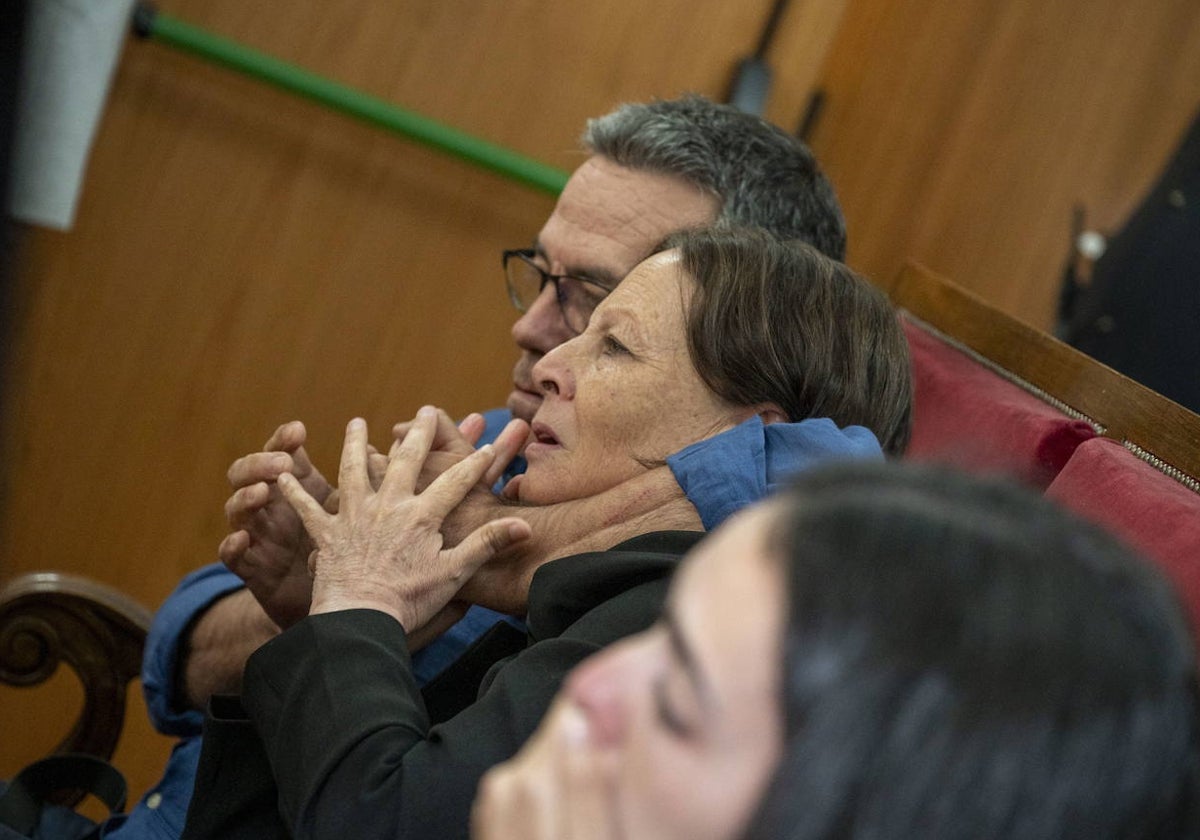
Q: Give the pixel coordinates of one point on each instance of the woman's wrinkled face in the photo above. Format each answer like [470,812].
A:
[684,719]
[622,394]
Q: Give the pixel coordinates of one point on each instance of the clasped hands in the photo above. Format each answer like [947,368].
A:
[376,542]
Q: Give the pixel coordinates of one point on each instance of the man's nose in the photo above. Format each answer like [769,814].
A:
[541,327]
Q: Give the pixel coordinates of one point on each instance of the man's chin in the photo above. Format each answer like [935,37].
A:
[523,404]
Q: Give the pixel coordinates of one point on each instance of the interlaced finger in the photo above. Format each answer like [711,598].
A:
[245,502]
[258,466]
[352,473]
[285,437]
[377,464]
[408,455]
[508,444]
[233,547]
[472,427]
[307,508]
[302,467]
[449,437]
[452,486]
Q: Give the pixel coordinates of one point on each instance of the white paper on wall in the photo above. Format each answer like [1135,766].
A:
[70,53]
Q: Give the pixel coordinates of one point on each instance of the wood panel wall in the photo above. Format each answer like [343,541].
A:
[962,133]
[242,258]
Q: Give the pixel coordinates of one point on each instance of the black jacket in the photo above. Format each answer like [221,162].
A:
[1141,310]
[336,730]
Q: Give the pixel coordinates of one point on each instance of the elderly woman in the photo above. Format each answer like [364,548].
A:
[928,656]
[713,337]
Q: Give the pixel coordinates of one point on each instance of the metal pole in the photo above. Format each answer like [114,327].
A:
[151,23]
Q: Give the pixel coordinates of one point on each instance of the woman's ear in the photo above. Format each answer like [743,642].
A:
[767,412]
[771,413]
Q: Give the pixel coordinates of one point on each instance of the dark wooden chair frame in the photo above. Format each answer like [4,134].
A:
[46,619]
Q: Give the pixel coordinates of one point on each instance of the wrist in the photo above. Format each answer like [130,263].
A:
[339,602]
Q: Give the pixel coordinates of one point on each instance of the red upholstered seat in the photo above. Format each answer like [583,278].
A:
[966,414]
[1153,512]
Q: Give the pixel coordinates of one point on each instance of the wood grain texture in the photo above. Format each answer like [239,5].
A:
[242,258]
[962,133]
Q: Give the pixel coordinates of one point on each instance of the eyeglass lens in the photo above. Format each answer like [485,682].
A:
[576,299]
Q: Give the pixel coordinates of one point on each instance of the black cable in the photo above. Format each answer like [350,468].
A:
[751,83]
[768,32]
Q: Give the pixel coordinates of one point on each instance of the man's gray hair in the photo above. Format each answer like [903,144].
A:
[764,177]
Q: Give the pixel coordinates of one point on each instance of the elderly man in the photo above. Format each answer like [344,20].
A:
[653,169]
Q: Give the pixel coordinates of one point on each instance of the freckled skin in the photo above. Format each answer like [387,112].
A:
[611,410]
[607,218]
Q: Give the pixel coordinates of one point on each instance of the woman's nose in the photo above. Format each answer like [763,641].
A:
[606,688]
[553,372]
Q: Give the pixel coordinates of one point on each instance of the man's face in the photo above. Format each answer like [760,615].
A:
[606,220]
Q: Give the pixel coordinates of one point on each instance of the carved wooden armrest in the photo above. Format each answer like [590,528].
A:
[47,618]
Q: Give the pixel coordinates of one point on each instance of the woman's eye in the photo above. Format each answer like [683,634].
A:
[665,712]
[613,347]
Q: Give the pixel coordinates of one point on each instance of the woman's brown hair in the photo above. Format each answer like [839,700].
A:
[778,322]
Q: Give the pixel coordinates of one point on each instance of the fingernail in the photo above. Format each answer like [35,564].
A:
[357,423]
[486,449]
[427,411]
[517,532]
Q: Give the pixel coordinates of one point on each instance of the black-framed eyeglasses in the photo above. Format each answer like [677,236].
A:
[577,296]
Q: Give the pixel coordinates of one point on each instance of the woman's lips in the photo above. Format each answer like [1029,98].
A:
[543,440]
[543,433]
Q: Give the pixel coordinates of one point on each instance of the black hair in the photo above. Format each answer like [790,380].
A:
[965,660]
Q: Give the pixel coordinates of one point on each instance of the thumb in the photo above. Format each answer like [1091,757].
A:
[485,542]
[512,488]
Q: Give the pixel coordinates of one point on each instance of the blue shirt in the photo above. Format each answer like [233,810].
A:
[719,475]
[723,474]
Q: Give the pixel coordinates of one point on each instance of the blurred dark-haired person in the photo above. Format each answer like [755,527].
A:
[929,655]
